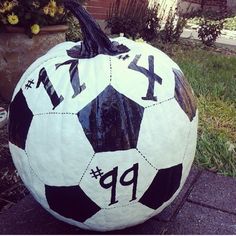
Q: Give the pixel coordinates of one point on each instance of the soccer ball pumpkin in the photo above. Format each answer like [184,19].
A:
[103,141]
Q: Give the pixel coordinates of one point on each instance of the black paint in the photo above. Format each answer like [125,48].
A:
[74,76]
[112,175]
[163,187]
[109,180]
[20,117]
[184,95]
[44,79]
[152,77]
[29,84]
[95,41]
[111,121]
[71,202]
[96,173]
[123,57]
[133,181]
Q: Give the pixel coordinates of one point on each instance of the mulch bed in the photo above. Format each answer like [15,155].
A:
[11,187]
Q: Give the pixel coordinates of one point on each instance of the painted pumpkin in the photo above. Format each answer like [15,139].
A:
[103,132]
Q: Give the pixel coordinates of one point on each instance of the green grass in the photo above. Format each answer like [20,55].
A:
[230,23]
[216,149]
[215,153]
[212,76]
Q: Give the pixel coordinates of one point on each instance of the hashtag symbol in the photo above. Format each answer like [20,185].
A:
[95,174]
[29,83]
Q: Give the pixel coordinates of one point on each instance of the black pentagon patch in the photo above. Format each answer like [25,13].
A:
[111,121]
[163,187]
[71,202]
[20,117]
[184,95]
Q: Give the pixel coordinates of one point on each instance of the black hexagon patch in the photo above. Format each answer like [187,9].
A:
[20,117]
[184,95]
[111,121]
[163,187]
[71,202]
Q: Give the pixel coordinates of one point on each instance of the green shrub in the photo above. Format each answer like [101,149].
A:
[211,23]
[209,31]
[173,27]
[151,24]
[134,18]
[138,19]
[74,33]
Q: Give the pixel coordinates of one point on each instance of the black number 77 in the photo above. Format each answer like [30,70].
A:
[44,79]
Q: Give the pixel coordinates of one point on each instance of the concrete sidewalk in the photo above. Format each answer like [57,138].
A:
[206,205]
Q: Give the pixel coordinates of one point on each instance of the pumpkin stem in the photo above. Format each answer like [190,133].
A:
[95,40]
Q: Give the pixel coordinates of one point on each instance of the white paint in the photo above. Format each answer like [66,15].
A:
[59,154]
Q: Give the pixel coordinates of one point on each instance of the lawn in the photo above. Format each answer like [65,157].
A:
[212,75]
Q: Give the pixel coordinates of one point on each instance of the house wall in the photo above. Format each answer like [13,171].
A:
[96,7]
[232,5]
[99,8]
[165,5]
[217,5]
[183,5]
